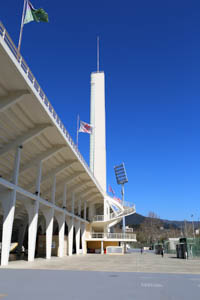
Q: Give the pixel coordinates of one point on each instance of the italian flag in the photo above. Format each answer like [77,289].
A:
[32,14]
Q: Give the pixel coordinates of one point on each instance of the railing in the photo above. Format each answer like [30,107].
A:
[107,235]
[125,212]
[21,62]
[125,204]
[98,218]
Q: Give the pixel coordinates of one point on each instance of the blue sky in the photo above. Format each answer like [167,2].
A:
[150,53]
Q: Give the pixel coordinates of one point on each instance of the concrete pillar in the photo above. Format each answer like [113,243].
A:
[78,229]
[102,250]
[106,210]
[33,209]
[64,204]
[61,223]
[70,235]
[48,214]
[84,247]
[79,208]
[91,211]
[8,203]
[53,191]
[73,200]
[85,210]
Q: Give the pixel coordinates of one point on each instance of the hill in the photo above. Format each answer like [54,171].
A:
[137,219]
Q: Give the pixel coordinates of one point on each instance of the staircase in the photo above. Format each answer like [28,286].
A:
[119,209]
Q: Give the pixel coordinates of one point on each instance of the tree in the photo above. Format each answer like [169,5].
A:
[151,228]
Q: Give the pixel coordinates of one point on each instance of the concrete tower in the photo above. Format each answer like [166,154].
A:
[98,136]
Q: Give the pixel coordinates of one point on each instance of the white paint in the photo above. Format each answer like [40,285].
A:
[70,235]
[8,203]
[48,214]
[98,136]
[77,227]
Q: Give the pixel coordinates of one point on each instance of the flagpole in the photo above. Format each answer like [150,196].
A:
[77,131]
[22,26]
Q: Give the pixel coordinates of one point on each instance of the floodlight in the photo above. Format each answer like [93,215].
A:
[121,177]
[120,173]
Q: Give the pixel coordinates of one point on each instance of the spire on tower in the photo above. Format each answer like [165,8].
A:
[97,54]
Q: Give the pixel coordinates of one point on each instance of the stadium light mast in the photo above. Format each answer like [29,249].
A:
[121,177]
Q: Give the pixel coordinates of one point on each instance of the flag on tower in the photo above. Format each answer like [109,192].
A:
[32,14]
[85,127]
[111,190]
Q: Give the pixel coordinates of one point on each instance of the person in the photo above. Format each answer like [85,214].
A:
[162,252]
[141,250]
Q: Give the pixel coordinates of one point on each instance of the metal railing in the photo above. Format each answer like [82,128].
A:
[35,85]
[98,218]
[113,216]
[107,235]
[124,204]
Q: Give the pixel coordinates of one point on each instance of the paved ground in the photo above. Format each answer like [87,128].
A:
[132,262]
[85,285]
[129,277]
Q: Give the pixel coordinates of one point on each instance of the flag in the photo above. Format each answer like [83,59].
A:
[117,199]
[111,190]
[32,14]
[85,127]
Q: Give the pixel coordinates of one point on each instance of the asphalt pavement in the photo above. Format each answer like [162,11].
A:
[87,285]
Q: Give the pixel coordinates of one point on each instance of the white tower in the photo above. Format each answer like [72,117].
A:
[98,136]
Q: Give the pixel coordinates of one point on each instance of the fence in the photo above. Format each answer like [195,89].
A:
[118,236]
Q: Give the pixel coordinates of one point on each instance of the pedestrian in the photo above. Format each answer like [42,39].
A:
[141,250]
[162,252]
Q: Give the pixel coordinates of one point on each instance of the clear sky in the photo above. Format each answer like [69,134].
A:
[150,53]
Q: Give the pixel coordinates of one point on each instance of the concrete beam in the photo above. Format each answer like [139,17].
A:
[24,138]
[67,180]
[74,189]
[11,186]
[41,157]
[54,172]
[88,192]
[11,98]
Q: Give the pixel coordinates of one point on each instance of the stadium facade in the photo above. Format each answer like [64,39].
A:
[51,201]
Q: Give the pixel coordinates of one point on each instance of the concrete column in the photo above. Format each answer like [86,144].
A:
[79,208]
[73,200]
[48,214]
[21,235]
[53,192]
[33,209]
[106,209]
[78,237]
[85,209]
[61,223]
[91,211]
[16,165]
[8,203]
[64,204]
[102,250]
[84,248]
[70,235]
